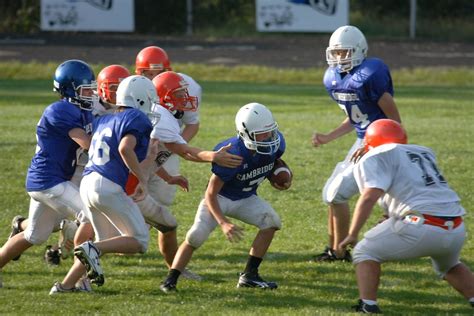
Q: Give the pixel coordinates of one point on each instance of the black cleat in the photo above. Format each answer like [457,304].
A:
[16,229]
[52,256]
[254,280]
[328,255]
[168,286]
[364,308]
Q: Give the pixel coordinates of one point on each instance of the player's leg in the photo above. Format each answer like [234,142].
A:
[461,278]
[257,212]
[204,224]
[340,223]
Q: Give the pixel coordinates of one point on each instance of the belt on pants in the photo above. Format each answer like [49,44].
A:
[447,223]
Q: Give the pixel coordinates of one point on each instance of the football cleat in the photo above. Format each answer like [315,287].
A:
[364,308]
[67,231]
[16,228]
[328,255]
[168,286]
[254,280]
[52,256]
[58,289]
[188,274]
[88,254]
[84,284]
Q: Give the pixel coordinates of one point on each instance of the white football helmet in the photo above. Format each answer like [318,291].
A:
[138,92]
[257,128]
[347,48]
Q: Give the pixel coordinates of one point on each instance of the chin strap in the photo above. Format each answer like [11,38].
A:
[177,114]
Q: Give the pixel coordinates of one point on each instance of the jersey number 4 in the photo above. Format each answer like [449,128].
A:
[356,115]
[426,164]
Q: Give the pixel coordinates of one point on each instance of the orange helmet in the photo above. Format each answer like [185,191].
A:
[108,80]
[384,131]
[172,92]
[152,58]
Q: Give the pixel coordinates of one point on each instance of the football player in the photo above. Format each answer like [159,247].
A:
[174,100]
[64,127]
[231,192]
[119,143]
[362,88]
[150,62]
[425,214]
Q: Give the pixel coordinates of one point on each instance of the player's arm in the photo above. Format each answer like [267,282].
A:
[127,152]
[80,137]
[232,232]
[363,209]
[220,157]
[173,180]
[389,108]
[344,128]
[189,131]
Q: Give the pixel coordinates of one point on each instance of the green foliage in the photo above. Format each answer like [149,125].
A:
[437,115]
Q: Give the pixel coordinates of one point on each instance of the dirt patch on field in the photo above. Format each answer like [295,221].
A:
[298,51]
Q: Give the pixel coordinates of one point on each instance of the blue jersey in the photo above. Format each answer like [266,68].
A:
[358,92]
[243,181]
[55,159]
[108,131]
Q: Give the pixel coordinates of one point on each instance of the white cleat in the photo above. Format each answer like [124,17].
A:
[84,284]
[88,254]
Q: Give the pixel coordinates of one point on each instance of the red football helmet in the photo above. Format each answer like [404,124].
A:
[152,58]
[108,81]
[384,131]
[172,92]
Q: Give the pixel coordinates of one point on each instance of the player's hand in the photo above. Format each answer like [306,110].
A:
[140,192]
[224,159]
[320,139]
[359,153]
[348,241]
[232,232]
[181,181]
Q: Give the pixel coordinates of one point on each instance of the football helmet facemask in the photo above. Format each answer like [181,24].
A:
[138,92]
[75,80]
[347,48]
[257,128]
[384,131]
[152,58]
[108,80]
[172,91]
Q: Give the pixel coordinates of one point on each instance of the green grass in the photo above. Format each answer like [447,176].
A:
[436,114]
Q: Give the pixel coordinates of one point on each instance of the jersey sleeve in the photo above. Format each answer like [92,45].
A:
[65,119]
[224,173]
[379,83]
[139,126]
[374,171]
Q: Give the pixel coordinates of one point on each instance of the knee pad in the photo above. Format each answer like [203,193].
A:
[339,189]
[196,236]
[36,237]
[270,220]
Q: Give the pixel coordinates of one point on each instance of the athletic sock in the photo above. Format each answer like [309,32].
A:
[252,264]
[369,302]
[173,275]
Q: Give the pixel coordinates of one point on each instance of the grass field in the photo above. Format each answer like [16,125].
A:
[437,115]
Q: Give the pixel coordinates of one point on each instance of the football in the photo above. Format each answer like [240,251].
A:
[280,176]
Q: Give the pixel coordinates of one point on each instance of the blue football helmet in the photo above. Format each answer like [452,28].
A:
[71,78]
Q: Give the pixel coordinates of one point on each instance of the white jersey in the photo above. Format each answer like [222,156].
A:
[167,130]
[410,178]
[194,90]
